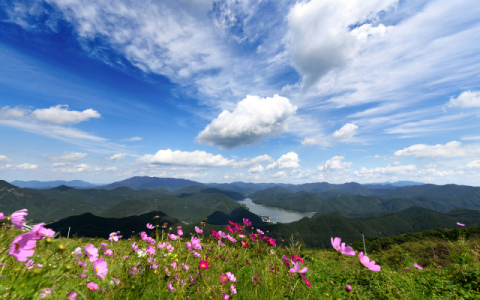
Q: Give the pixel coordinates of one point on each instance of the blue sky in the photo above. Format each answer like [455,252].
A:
[254,91]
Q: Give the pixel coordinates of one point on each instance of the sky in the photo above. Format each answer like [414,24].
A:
[247,90]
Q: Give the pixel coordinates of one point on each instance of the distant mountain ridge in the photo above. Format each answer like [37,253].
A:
[35,184]
[150,183]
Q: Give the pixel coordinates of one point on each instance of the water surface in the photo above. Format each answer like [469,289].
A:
[275,214]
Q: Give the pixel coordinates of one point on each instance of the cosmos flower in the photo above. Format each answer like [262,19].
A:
[91,252]
[92,286]
[198,230]
[100,268]
[367,263]
[22,246]
[150,226]
[18,218]
[203,264]
[340,247]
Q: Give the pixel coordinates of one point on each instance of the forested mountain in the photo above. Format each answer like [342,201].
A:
[150,183]
[35,184]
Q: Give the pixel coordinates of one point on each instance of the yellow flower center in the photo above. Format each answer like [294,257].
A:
[96,269]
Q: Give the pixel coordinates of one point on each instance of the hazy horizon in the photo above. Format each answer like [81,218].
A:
[255,91]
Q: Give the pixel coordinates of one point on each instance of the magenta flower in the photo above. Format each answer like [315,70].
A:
[185,266]
[195,244]
[460,224]
[100,268]
[418,266]
[198,230]
[341,247]
[135,247]
[104,244]
[170,248]
[260,232]
[348,288]
[180,232]
[36,231]
[151,250]
[196,254]
[78,252]
[82,264]
[223,278]
[174,265]
[296,268]
[221,243]
[231,239]
[232,289]
[170,286]
[114,237]
[247,222]
[91,252]
[108,252]
[244,244]
[408,268]
[22,247]
[150,226]
[18,218]
[367,263]
[92,286]
[172,236]
[2,216]
[225,296]
[47,232]
[72,296]
[231,277]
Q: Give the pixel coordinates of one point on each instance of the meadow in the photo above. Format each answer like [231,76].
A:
[240,262]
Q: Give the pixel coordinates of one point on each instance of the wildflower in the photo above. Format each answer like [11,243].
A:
[418,266]
[170,286]
[198,230]
[192,280]
[296,258]
[114,237]
[307,282]
[296,268]
[100,268]
[225,296]
[185,266]
[22,247]
[203,264]
[29,264]
[125,257]
[348,288]
[179,230]
[242,236]
[248,263]
[232,289]
[82,264]
[150,226]
[231,277]
[195,244]
[408,268]
[166,272]
[104,244]
[72,296]
[45,292]
[244,244]
[341,247]
[151,250]
[141,253]
[367,263]
[270,241]
[2,217]
[172,236]
[221,243]
[115,281]
[260,232]
[36,231]
[286,261]
[247,222]
[135,247]
[18,218]
[174,265]
[231,239]
[47,232]
[91,252]
[165,225]
[223,278]
[92,286]
[195,254]
[460,224]
[170,248]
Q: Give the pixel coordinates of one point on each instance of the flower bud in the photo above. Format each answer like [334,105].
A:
[49,240]
[61,247]
[348,288]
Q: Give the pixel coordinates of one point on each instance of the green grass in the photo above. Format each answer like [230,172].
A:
[451,271]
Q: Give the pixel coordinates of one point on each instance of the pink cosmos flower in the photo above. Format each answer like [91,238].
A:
[104,244]
[367,263]
[247,222]
[185,266]
[135,247]
[155,266]
[18,218]
[307,282]
[418,266]
[170,286]
[72,296]
[296,268]
[231,277]
[233,289]
[225,296]
[341,247]
[92,286]
[260,232]
[170,248]
[408,268]
[150,226]
[244,244]
[91,252]
[195,254]
[231,239]
[82,264]
[348,288]
[195,244]
[36,231]
[180,232]
[198,230]
[460,224]
[114,237]
[22,247]
[248,263]
[174,265]
[172,236]
[2,216]
[82,275]
[29,264]
[47,232]
[108,252]
[78,252]
[270,241]
[151,250]
[221,243]
[203,264]
[100,268]
[223,278]
[166,272]
[296,258]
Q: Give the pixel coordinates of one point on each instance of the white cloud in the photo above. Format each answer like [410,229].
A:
[26,166]
[319,36]
[74,169]
[4,158]
[58,164]
[185,158]
[377,156]
[466,99]
[451,149]
[118,157]
[247,162]
[392,169]
[280,174]
[289,160]
[474,164]
[256,169]
[312,141]
[253,119]
[61,115]
[363,32]
[68,156]
[7,113]
[111,169]
[133,139]
[346,132]
[471,137]
[334,164]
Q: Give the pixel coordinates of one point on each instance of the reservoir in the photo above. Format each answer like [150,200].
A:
[275,214]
